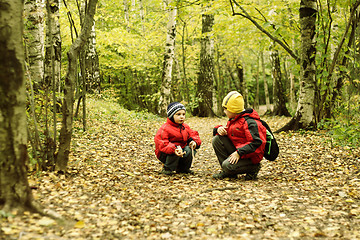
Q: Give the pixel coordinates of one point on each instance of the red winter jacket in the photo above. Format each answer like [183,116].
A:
[247,134]
[171,134]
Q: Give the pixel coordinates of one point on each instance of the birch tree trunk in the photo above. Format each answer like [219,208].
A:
[15,192]
[279,108]
[53,44]
[206,75]
[34,39]
[92,69]
[62,157]
[142,15]
[126,14]
[165,92]
[304,115]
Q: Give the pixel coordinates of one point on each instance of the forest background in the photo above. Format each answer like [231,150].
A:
[156,52]
[301,60]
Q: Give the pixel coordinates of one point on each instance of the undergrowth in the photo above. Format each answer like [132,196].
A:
[344,128]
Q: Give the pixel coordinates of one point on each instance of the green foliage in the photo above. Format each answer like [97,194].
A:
[343,134]
[4,214]
[345,129]
[131,52]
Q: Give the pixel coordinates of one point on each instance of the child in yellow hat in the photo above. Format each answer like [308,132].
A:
[239,146]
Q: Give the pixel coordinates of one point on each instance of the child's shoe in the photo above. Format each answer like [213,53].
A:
[253,175]
[188,171]
[167,171]
[223,175]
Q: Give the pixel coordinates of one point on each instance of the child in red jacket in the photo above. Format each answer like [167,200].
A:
[175,141]
[240,145]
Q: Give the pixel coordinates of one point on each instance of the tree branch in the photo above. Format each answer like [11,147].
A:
[247,16]
[337,52]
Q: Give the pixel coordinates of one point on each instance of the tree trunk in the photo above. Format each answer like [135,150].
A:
[34,39]
[353,21]
[127,15]
[266,88]
[242,83]
[206,75]
[92,71]
[165,94]
[183,60]
[257,97]
[62,157]
[15,192]
[219,84]
[356,70]
[53,44]
[292,91]
[304,115]
[142,15]
[279,101]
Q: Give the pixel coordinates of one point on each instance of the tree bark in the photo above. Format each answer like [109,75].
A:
[62,157]
[266,88]
[92,69]
[279,101]
[15,192]
[257,97]
[127,15]
[53,44]
[34,39]
[206,76]
[242,83]
[304,115]
[353,23]
[165,94]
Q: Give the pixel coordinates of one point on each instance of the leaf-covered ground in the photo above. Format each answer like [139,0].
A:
[114,189]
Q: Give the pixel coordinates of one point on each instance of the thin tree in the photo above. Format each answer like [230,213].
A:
[62,156]
[279,100]
[266,88]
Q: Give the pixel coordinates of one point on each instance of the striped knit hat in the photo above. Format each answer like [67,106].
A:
[173,108]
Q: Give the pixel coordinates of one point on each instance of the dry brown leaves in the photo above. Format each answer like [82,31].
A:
[114,189]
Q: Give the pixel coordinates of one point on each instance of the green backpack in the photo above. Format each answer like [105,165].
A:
[271,146]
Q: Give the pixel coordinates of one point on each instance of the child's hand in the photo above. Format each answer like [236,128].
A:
[234,157]
[192,144]
[179,152]
[222,131]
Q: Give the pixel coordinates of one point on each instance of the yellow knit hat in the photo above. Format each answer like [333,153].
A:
[233,102]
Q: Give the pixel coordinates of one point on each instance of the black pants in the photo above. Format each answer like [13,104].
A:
[174,162]
[223,148]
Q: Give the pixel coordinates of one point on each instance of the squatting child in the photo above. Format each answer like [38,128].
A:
[175,141]
[239,146]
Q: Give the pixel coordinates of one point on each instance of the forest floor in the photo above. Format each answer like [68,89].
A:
[114,189]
